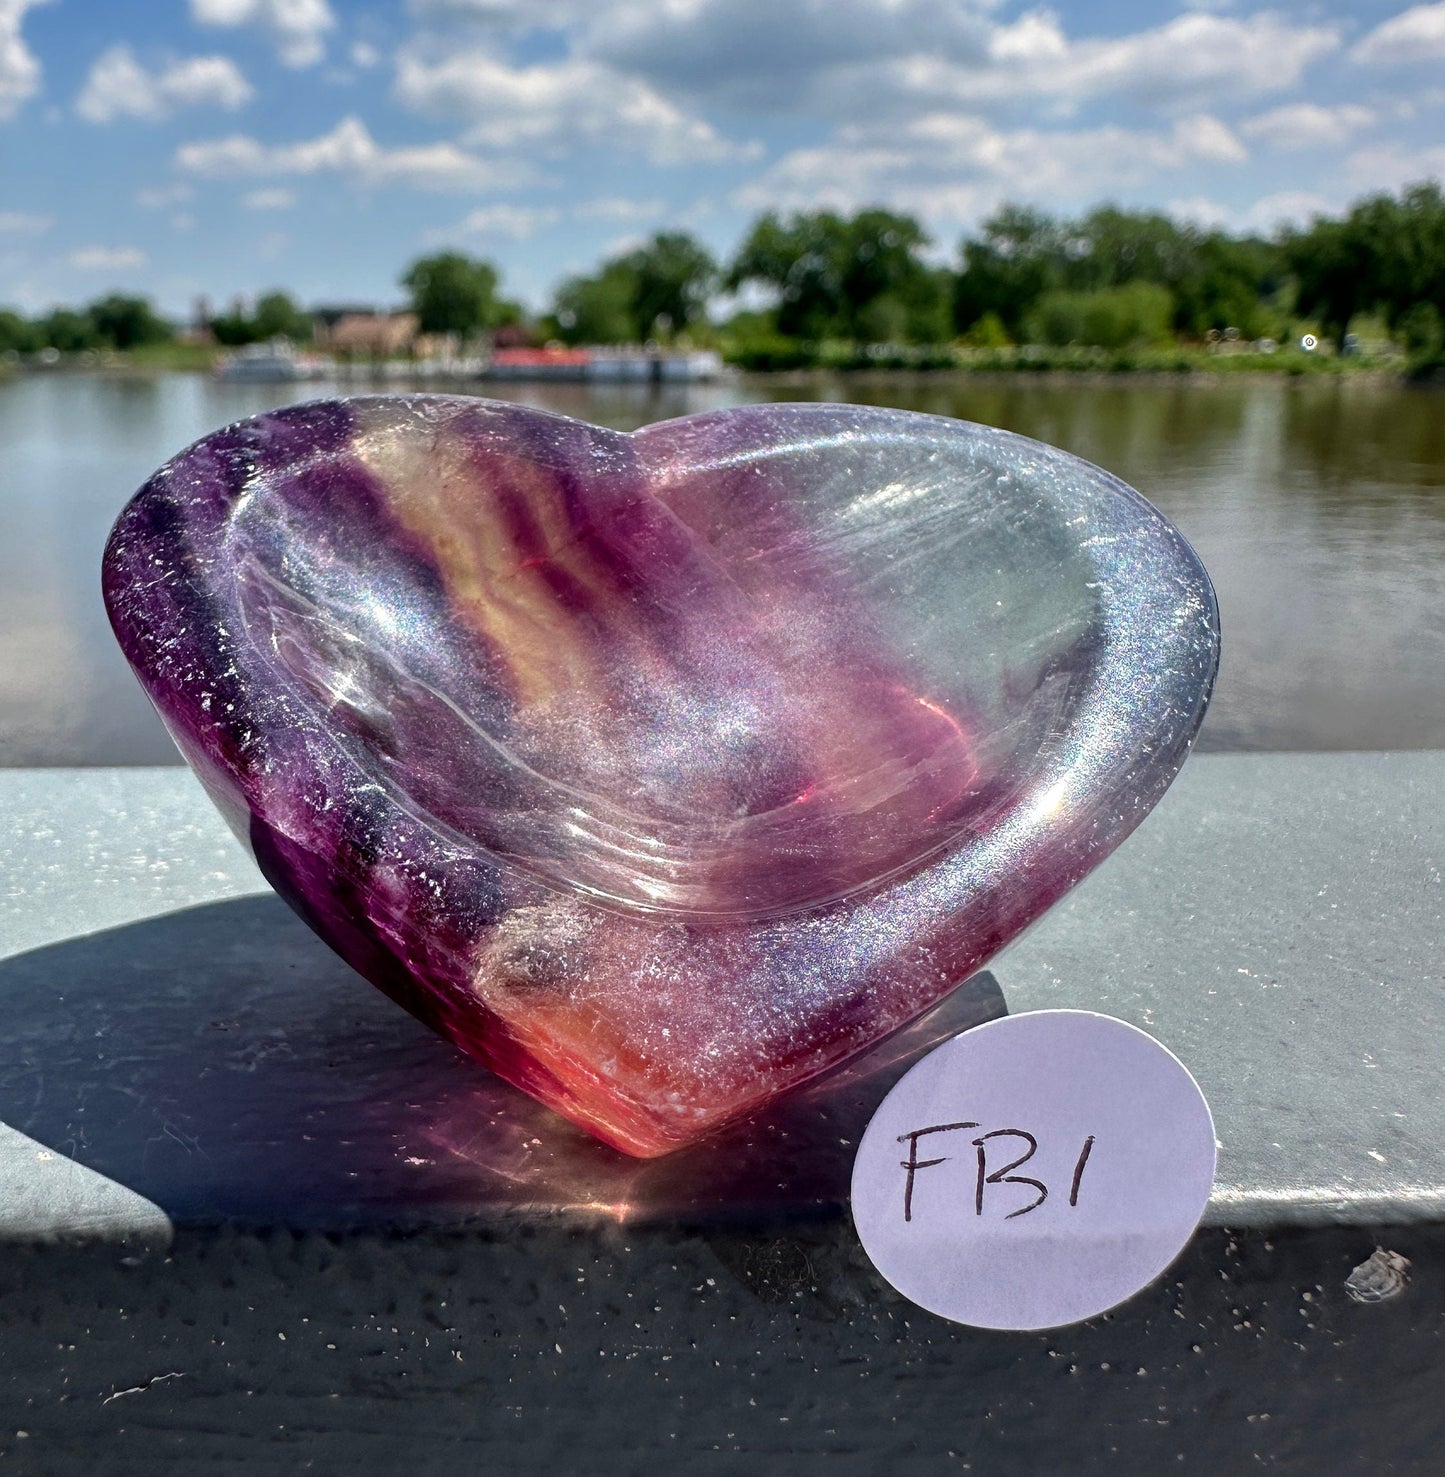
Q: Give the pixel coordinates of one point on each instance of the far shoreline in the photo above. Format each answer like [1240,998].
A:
[1195,377]
[1200,373]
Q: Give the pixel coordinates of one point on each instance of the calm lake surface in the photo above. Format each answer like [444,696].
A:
[1318,508]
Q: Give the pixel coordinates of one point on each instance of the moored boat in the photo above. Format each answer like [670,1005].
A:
[274,362]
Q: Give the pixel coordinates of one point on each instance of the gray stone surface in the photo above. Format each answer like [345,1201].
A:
[46,1195]
[199,1058]
[1278,924]
[299,1233]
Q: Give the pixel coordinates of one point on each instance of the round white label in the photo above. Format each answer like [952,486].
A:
[1034,1171]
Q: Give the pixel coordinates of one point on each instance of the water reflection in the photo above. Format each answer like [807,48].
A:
[1317,507]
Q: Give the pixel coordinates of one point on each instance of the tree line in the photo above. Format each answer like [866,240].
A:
[1111,278]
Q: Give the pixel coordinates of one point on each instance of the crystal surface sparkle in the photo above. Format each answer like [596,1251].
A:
[665,771]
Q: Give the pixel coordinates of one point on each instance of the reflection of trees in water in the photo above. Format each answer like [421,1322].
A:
[1368,444]
[1127,426]
[1343,444]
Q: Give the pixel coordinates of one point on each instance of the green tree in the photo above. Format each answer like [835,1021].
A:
[69,331]
[1405,241]
[988,332]
[234,329]
[890,294]
[674,275]
[599,309]
[1111,247]
[1335,274]
[454,293]
[1236,283]
[123,322]
[862,277]
[1135,314]
[659,288]
[1386,255]
[1019,255]
[277,316]
[800,259]
[1214,280]
[17,334]
[1423,331]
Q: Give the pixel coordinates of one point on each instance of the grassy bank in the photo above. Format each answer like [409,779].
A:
[149,359]
[168,356]
[786,354]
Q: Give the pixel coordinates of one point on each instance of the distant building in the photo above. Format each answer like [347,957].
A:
[630,366]
[550,363]
[363,334]
[514,336]
[329,314]
[369,335]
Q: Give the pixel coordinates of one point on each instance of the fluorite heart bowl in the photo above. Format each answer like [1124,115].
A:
[662,772]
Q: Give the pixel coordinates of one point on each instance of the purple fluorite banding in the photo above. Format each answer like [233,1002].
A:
[664,771]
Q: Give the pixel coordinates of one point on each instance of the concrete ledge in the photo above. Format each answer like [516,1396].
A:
[173,1030]
[251,1213]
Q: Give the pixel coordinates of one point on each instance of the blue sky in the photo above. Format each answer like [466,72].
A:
[181,147]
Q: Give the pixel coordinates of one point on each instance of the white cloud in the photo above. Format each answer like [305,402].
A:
[617,208]
[1309,125]
[1032,38]
[364,55]
[845,181]
[119,87]
[213,81]
[621,245]
[1202,136]
[1193,59]
[1201,211]
[22,223]
[107,258]
[1415,35]
[1194,55]
[19,70]
[556,104]
[348,150]
[1263,218]
[528,13]
[808,56]
[517,221]
[1392,166]
[768,53]
[1285,208]
[296,26]
[271,198]
[504,218]
[950,166]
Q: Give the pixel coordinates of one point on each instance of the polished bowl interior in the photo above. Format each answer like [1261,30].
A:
[702,679]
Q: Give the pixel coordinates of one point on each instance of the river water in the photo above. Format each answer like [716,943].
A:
[1317,506]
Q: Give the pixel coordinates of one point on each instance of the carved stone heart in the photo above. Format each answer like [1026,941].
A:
[663,771]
